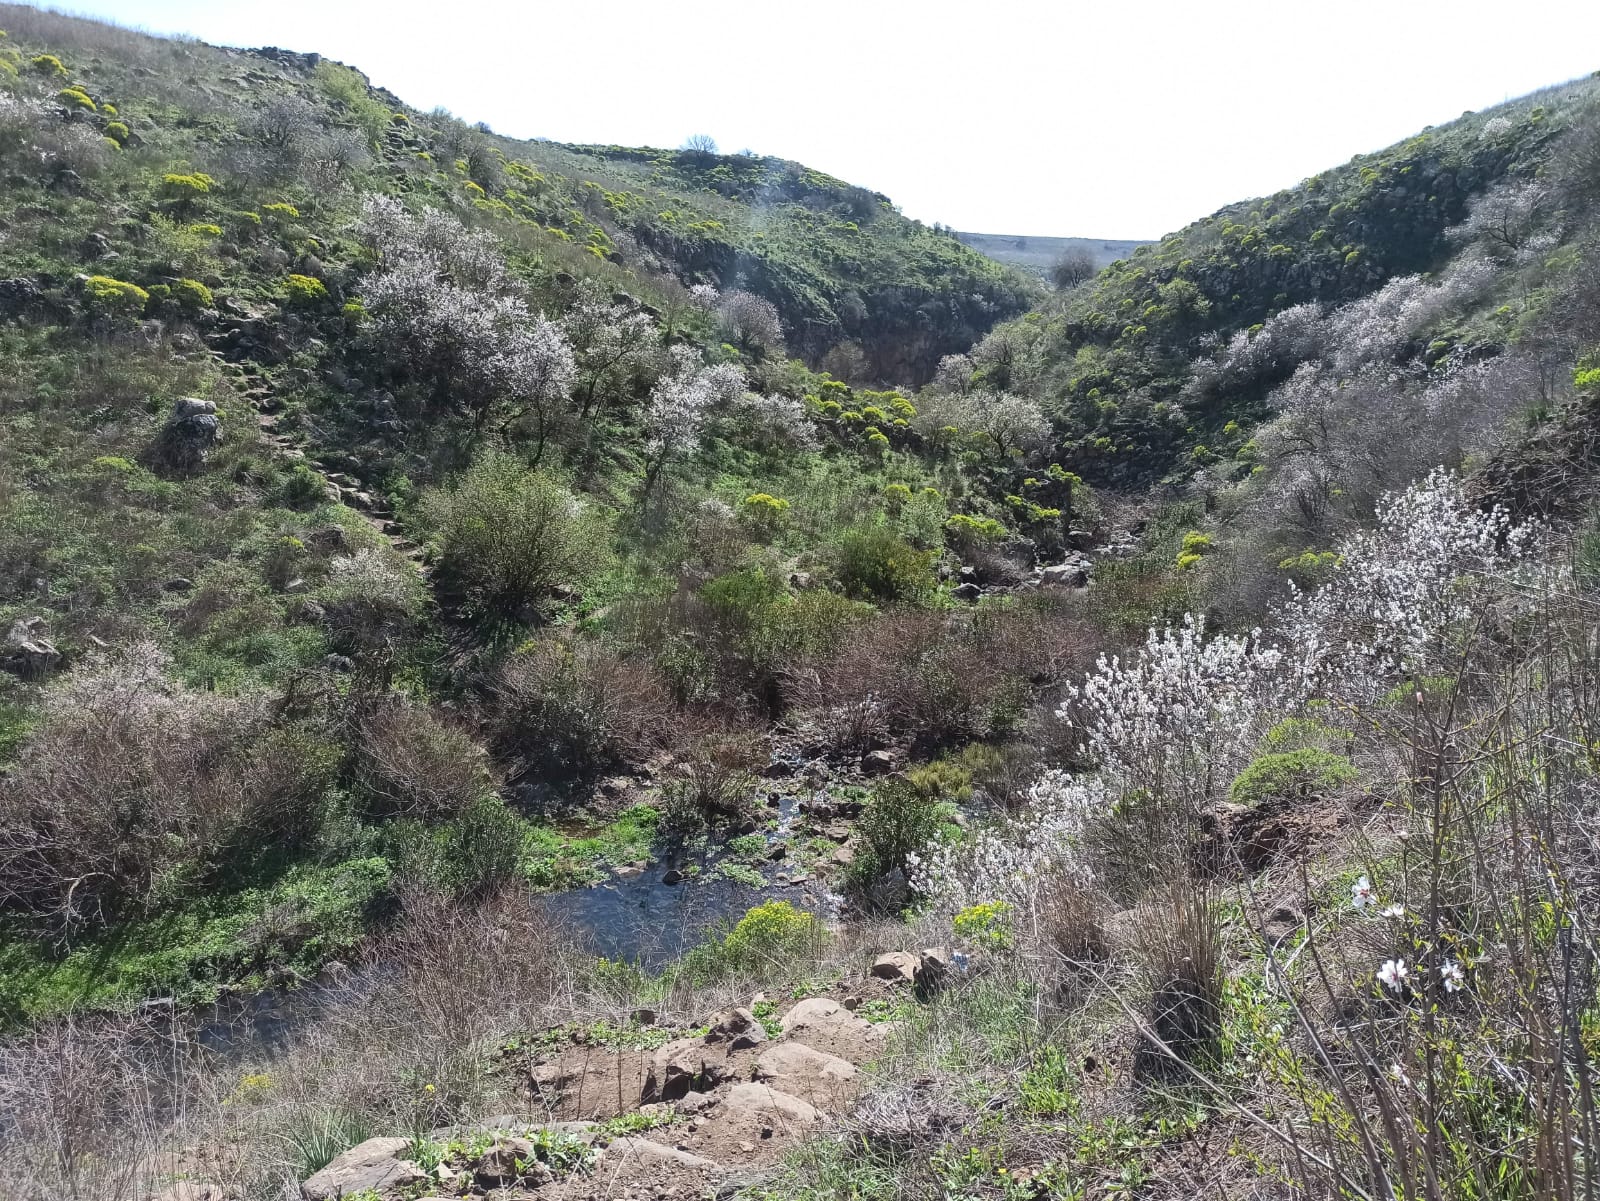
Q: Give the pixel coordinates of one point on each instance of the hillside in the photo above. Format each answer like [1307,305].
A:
[542,672]
[1039,255]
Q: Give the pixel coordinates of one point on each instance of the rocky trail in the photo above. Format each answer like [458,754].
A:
[705,1113]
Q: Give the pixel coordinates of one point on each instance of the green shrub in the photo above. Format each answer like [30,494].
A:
[772,935]
[763,512]
[511,535]
[986,924]
[304,291]
[967,533]
[876,564]
[192,294]
[118,132]
[1290,774]
[47,64]
[898,820]
[177,186]
[76,98]
[1195,547]
[896,496]
[114,297]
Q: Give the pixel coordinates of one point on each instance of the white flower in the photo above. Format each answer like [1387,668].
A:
[1392,975]
[1398,1074]
[1454,977]
[1395,910]
[1361,894]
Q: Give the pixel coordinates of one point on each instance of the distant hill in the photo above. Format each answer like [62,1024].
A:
[1038,255]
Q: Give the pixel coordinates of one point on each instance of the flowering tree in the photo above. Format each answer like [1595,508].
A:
[610,341]
[751,322]
[442,303]
[1399,590]
[680,403]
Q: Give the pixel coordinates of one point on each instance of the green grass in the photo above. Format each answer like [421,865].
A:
[557,859]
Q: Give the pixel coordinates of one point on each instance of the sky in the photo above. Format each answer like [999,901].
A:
[1106,120]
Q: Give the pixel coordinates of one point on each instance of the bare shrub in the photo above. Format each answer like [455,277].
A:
[715,778]
[412,763]
[130,778]
[578,708]
[1180,944]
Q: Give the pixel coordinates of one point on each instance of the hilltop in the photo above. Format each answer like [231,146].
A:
[1040,254]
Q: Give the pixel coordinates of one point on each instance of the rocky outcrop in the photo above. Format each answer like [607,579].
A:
[28,652]
[193,431]
[377,1164]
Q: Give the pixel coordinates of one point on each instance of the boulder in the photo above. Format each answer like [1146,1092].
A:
[738,1028]
[510,1161]
[822,1015]
[898,967]
[1066,575]
[935,969]
[375,1164]
[967,591]
[682,1066]
[803,1071]
[624,1152]
[27,651]
[191,432]
[766,1105]
[879,763]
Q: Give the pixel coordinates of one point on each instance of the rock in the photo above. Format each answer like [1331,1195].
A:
[27,652]
[191,432]
[672,876]
[778,852]
[935,969]
[804,1071]
[178,583]
[643,1017]
[498,1167]
[820,1014]
[844,856]
[374,1164]
[340,664]
[879,763]
[802,581]
[1280,924]
[683,1066]
[646,1154]
[1066,575]
[20,295]
[328,539]
[767,1105]
[736,1027]
[967,591]
[898,967]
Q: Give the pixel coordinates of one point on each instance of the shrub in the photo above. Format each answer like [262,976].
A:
[1296,773]
[192,295]
[872,562]
[131,785]
[78,99]
[181,187]
[577,708]
[771,935]
[986,924]
[114,297]
[898,820]
[281,210]
[511,535]
[1195,546]
[409,763]
[715,779]
[118,132]
[968,534]
[1180,940]
[304,291]
[47,64]
[763,512]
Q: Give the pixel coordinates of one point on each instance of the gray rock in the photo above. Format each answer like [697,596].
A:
[736,1027]
[27,652]
[767,1106]
[682,1066]
[375,1164]
[879,763]
[967,592]
[898,967]
[646,1154]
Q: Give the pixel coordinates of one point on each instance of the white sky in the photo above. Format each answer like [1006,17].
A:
[1111,120]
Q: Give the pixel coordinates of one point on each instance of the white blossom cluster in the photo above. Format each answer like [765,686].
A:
[684,398]
[1181,715]
[1399,589]
[1008,861]
[781,422]
[442,299]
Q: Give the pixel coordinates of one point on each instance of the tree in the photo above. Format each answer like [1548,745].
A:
[751,322]
[700,143]
[1074,266]
[681,401]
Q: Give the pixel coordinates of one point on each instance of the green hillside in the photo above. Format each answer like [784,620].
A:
[535,671]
